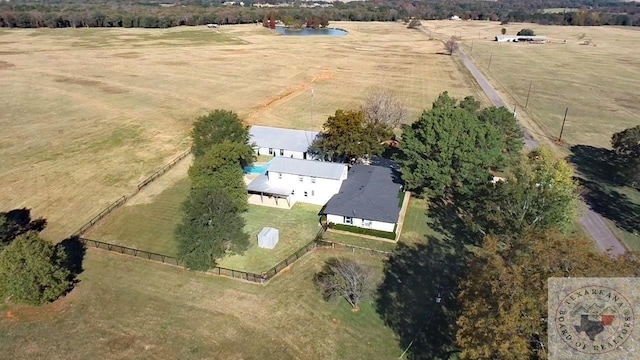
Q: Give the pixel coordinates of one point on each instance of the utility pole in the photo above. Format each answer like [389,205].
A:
[311,106]
[490,57]
[528,93]
[563,121]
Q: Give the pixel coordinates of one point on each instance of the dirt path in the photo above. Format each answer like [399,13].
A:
[591,221]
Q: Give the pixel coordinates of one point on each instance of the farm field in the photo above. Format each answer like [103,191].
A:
[593,71]
[88,113]
[140,309]
[599,82]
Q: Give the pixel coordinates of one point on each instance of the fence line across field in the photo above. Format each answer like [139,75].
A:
[122,200]
[262,278]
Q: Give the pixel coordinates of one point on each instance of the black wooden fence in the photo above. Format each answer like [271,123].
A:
[121,201]
[163,170]
[170,260]
[232,273]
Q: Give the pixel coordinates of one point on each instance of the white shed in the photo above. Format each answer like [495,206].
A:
[268,238]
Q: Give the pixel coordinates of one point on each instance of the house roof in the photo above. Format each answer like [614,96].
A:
[320,169]
[370,193]
[278,138]
[261,184]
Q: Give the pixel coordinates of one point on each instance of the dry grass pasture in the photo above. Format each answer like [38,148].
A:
[599,82]
[144,310]
[87,113]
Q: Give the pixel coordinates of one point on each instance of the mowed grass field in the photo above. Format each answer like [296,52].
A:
[139,309]
[88,113]
[599,82]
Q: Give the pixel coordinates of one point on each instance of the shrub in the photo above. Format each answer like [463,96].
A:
[363,231]
[526,32]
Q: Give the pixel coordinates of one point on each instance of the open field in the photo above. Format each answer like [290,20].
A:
[87,113]
[140,309]
[149,224]
[599,82]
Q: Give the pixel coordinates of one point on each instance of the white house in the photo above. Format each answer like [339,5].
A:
[281,142]
[369,198]
[517,38]
[294,180]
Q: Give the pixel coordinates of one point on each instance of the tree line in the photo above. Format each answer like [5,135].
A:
[509,220]
[149,14]
[212,224]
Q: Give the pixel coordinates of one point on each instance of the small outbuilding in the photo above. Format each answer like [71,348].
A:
[268,238]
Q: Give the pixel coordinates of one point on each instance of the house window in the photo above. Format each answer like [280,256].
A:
[300,178]
[281,152]
[348,220]
[313,193]
[270,151]
[313,180]
[366,223]
[293,192]
[305,194]
[279,176]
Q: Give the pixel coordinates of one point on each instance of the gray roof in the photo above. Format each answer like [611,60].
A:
[261,184]
[278,138]
[320,169]
[370,193]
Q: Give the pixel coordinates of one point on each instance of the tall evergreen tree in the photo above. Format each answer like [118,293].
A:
[211,228]
[448,151]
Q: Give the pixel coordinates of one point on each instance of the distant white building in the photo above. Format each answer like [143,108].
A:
[517,38]
[281,142]
[293,180]
[455,18]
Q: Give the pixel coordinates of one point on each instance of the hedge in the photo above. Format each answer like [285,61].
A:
[363,231]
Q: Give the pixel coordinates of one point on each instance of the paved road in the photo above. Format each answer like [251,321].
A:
[591,221]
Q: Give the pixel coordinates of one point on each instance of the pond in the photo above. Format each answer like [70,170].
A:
[310,32]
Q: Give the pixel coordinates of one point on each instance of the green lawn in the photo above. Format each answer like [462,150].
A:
[128,308]
[297,227]
[150,226]
[416,227]
[359,241]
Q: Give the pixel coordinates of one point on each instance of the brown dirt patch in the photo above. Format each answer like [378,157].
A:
[92,83]
[5,65]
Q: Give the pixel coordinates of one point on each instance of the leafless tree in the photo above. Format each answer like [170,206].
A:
[451,45]
[344,278]
[381,107]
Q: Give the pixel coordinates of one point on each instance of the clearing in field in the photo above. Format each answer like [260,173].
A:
[91,112]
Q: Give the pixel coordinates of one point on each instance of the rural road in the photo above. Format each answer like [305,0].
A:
[591,221]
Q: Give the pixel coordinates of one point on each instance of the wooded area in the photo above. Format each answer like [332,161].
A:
[152,14]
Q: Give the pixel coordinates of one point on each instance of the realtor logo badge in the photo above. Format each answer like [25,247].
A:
[591,318]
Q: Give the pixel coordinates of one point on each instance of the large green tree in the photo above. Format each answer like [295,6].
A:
[33,271]
[449,150]
[347,135]
[216,127]
[627,145]
[221,168]
[540,193]
[211,228]
[504,296]
[508,127]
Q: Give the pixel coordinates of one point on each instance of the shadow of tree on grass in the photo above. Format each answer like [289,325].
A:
[75,250]
[417,298]
[598,164]
[612,205]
